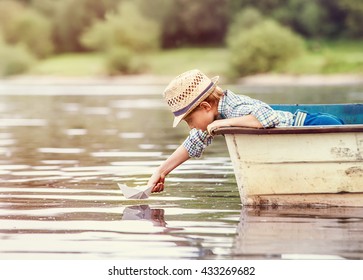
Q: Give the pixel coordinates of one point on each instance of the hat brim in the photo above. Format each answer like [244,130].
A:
[178,119]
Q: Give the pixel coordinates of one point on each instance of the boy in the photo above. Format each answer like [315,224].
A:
[195,98]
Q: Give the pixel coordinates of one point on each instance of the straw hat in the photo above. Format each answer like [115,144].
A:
[186,91]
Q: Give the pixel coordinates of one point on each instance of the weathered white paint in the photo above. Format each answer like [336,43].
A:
[323,163]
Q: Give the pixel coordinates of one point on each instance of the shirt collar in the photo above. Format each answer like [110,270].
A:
[222,104]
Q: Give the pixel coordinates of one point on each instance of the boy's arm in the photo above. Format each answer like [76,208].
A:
[244,121]
[179,156]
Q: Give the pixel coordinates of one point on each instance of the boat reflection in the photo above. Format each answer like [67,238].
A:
[299,233]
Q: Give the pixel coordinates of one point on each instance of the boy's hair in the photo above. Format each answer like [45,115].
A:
[215,96]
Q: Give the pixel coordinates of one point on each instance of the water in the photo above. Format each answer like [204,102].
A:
[64,147]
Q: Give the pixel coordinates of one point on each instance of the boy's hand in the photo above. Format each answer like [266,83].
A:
[157,180]
[214,125]
[243,121]
[158,188]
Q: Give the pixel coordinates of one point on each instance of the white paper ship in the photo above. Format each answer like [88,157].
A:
[136,192]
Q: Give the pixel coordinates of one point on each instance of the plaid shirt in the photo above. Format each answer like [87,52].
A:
[232,106]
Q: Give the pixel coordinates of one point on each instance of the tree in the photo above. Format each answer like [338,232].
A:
[263,48]
[121,36]
[73,18]
[190,22]
[244,20]
[354,17]
[33,30]
[23,25]
[311,18]
[126,28]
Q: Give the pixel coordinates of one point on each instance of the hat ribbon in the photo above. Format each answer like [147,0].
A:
[186,108]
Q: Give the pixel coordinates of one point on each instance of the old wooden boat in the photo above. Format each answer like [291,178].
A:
[315,165]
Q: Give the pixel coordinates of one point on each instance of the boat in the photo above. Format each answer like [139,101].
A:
[304,166]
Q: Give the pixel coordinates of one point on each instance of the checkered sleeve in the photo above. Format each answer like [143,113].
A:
[265,114]
[196,142]
[243,105]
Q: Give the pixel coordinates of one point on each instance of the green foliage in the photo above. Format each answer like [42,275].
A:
[123,61]
[214,61]
[8,11]
[46,7]
[263,48]
[14,59]
[342,57]
[26,26]
[43,27]
[33,30]
[190,22]
[72,18]
[125,29]
[312,18]
[354,18]
[245,19]
[306,17]
[173,61]
[71,64]
[338,64]
[156,9]
[116,36]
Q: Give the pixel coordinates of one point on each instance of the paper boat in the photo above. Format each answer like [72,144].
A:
[136,192]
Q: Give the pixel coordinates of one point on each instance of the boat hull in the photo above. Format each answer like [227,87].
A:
[306,165]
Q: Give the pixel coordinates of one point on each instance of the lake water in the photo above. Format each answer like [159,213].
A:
[64,147]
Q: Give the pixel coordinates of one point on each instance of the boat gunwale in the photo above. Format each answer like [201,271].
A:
[290,130]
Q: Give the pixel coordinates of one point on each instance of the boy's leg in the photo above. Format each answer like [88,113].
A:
[322,119]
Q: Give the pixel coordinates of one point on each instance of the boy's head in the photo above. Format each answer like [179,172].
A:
[187,91]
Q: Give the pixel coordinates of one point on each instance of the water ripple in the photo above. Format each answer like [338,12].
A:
[61,157]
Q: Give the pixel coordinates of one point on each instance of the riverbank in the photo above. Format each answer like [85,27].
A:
[302,80]
[145,79]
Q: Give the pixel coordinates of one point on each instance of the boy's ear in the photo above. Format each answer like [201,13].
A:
[205,105]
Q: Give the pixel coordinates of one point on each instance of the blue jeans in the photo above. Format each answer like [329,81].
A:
[317,119]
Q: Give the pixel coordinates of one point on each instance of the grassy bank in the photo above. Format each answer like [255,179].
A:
[340,57]
[86,64]
[169,62]
[320,58]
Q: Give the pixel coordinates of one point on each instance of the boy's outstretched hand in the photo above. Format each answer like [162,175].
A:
[174,160]
[157,180]
[158,188]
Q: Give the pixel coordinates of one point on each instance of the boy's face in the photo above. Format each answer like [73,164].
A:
[201,117]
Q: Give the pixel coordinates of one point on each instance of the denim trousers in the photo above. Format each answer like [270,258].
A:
[304,118]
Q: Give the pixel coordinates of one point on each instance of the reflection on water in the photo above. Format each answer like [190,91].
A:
[60,159]
[288,233]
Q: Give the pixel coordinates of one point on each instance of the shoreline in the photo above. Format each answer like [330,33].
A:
[147,79]
[303,80]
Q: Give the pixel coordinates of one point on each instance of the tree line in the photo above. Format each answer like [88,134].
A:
[120,28]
